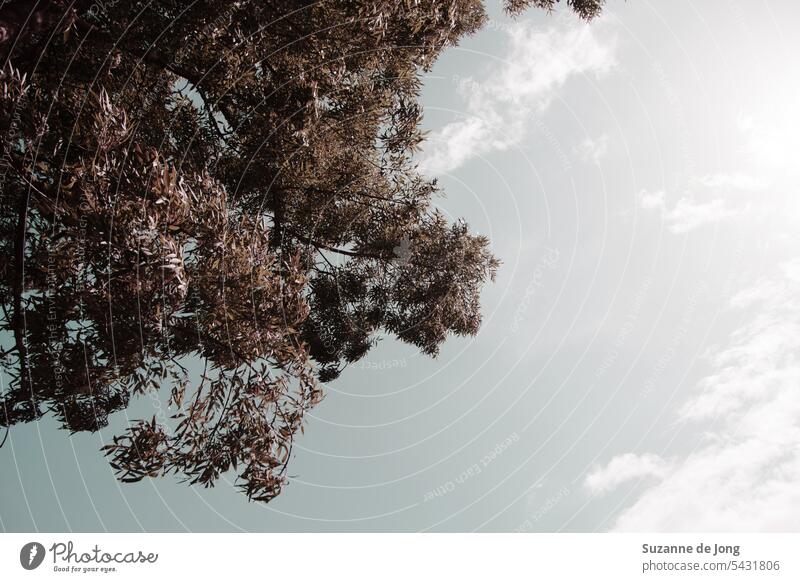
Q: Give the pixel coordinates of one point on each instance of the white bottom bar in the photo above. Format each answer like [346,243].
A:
[403,557]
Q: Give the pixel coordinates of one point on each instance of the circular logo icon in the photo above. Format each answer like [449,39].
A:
[31,555]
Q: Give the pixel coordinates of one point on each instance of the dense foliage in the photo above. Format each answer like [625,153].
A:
[225,182]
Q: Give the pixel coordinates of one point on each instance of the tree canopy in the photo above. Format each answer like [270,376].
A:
[225,182]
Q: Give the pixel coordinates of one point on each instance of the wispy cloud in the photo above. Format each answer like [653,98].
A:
[725,196]
[732,181]
[624,468]
[498,109]
[688,214]
[651,200]
[745,474]
[592,150]
[771,145]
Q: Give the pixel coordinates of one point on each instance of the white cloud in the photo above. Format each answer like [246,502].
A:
[688,214]
[693,209]
[498,110]
[651,200]
[771,143]
[724,196]
[732,181]
[623,468]
[745,473]
[593,150]
[457,142]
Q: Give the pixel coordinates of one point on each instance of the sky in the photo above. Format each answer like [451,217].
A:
[639,361]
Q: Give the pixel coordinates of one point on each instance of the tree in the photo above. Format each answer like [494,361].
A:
[224,182]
